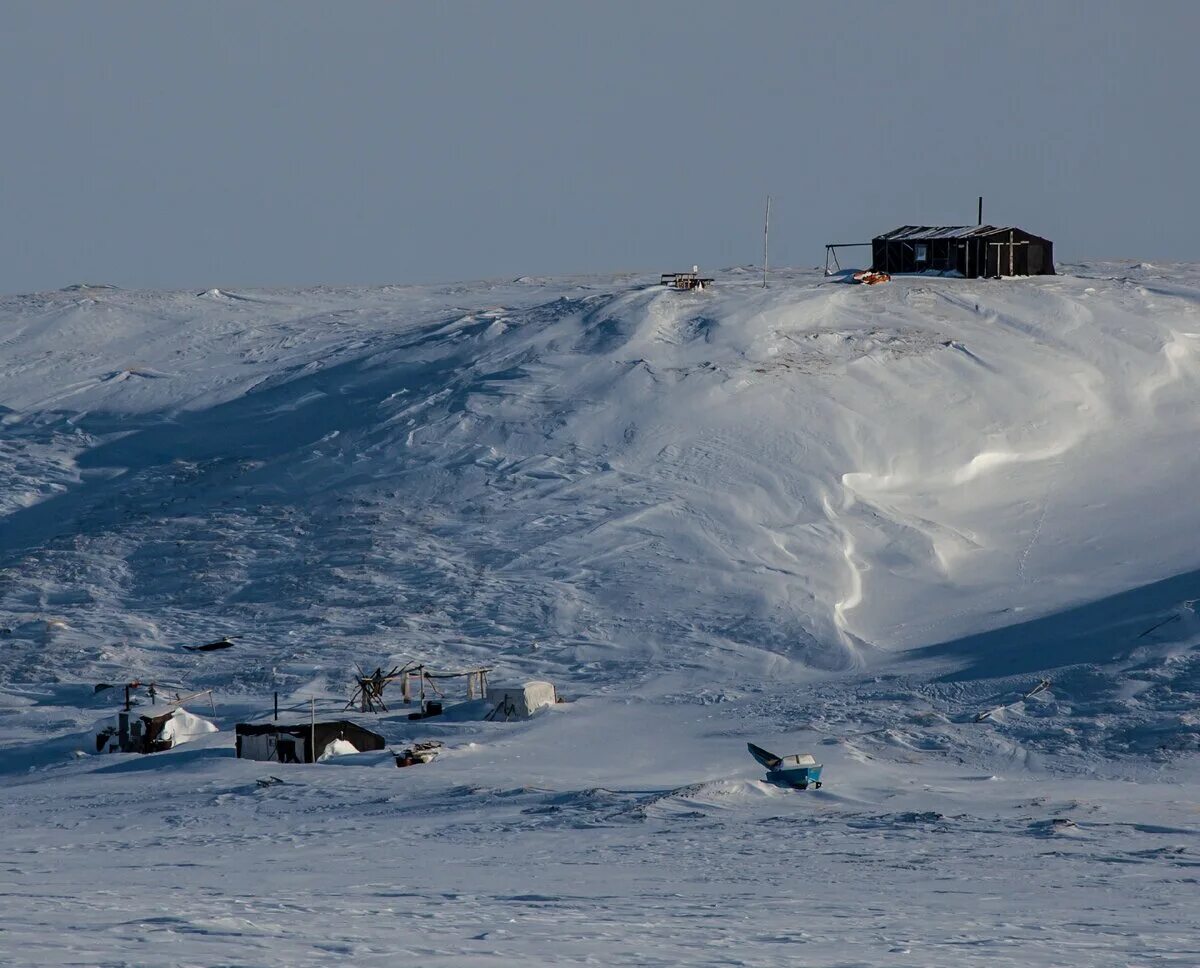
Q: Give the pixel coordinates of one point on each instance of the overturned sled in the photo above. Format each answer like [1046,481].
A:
[797,770]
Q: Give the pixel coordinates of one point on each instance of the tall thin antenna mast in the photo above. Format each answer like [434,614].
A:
[766,237]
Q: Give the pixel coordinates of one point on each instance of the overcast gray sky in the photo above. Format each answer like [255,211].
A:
[155,144]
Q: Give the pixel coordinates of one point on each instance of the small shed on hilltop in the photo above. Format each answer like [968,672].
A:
[970,251]
[295,742]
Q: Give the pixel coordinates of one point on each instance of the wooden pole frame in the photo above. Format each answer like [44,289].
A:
[832,247]
[766,235]
[999,254]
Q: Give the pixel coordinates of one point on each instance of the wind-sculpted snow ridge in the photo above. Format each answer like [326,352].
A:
[939,533]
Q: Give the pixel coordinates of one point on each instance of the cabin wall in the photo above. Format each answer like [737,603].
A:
[296,743]
[1028,255]
[1038,257]
[895,256]
[892,257]
[363,739]
[282,745]
[259,747]
[879,256]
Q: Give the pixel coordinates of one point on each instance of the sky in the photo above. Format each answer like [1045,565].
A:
[170,145]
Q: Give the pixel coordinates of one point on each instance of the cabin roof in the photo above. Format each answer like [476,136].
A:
[906,232]
[157,711]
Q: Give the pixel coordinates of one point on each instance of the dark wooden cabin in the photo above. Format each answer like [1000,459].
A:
[971,251]
[293,742]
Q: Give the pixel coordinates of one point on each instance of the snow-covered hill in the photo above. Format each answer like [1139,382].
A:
[597,465]
[862,512]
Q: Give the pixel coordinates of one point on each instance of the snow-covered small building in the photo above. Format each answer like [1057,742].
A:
[295,742]
[520,702]
[152,729]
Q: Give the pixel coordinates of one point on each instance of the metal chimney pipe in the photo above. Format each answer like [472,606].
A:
[980,210]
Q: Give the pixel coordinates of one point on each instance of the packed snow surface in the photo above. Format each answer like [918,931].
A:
[865,521]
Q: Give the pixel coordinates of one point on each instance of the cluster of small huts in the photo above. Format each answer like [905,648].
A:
[306,739]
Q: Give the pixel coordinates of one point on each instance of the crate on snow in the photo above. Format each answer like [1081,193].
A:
[520,702]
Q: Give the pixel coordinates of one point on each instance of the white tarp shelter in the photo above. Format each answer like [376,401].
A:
[151,729]
[520,702]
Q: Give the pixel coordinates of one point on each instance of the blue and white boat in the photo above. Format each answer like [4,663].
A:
[798,770]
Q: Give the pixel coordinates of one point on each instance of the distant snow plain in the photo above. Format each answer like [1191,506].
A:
[828,518]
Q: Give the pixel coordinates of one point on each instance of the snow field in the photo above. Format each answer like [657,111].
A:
[841,519]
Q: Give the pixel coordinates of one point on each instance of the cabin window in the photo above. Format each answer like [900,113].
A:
[922,252]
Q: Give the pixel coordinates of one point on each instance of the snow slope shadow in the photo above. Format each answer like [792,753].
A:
[261,426]
[1102,631]
[405,381]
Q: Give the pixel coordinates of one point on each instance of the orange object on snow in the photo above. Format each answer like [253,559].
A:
[871,278]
